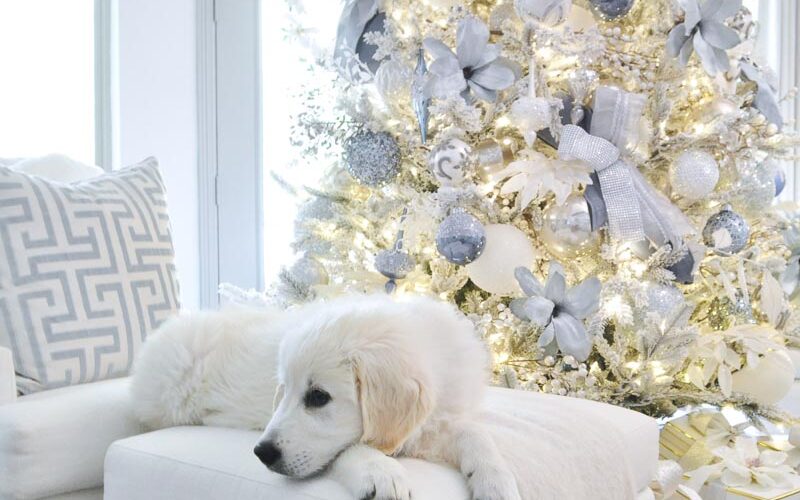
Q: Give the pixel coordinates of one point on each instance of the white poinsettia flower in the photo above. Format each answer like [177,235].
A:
[744,463]
[476,65]
[703,31]
[557,310]
[537,175]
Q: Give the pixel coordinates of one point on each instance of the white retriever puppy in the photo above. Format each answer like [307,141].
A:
[359,381]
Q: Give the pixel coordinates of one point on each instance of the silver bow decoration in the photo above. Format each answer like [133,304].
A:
[635,209]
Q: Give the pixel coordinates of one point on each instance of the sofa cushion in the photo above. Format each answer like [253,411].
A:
[563,436]
[54,442]
[86,272]
[200,463]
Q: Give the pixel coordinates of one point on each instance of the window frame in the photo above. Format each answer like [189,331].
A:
[229,133]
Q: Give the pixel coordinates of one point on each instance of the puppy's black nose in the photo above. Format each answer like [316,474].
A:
[268,453]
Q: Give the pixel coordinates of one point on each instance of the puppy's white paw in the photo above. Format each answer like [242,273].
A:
[493,485]
[384,480]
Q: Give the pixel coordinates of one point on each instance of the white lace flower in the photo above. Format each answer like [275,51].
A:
[476,66]
[537,175]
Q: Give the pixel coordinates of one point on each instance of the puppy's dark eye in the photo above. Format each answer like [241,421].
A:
[316,398]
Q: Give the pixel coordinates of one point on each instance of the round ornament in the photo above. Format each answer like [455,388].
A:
[317,208]
[373,158]
[392,80]
[461,238]
[756,187]
[726,232]
[309,272]
[567,229]
[450,161]
[769,381]
[612,9]
[694,174]
[548,12]
[664,299]
[507,248]
[394,264]
[780,181]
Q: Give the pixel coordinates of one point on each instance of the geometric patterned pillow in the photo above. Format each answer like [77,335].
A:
[87,270]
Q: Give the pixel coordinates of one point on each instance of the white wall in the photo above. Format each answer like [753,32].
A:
[157,110]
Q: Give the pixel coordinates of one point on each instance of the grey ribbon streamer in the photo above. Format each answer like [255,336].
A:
[635,209]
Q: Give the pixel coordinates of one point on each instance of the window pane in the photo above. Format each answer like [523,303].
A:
[47,86]
[285,71]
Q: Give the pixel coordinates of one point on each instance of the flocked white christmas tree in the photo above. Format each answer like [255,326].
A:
[593,184]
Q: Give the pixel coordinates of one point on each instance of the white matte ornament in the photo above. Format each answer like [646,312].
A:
[450,162]
[507,248]
[694,174]
[549,12]
[769,381]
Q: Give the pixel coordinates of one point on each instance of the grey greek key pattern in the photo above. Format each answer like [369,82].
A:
[86,272]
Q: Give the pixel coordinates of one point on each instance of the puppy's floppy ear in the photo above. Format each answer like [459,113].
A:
[278,397]
[395,396]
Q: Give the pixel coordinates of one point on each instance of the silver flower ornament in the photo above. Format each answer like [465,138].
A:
[558,310]
[476,65]
[703,32]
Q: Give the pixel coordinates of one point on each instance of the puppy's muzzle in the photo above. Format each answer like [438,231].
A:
[268,453]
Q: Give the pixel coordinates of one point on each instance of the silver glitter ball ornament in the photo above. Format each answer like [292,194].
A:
[567,229]
[373,158]
[723,226]
[612,9]
[664,299]
[394,264]
[461,238]
[309,272]
[755,189]
[694,174]
[450,161]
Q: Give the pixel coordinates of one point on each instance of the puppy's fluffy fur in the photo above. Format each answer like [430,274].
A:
[359,379]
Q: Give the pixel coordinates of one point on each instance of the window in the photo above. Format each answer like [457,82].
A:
[47,91]
[284,66]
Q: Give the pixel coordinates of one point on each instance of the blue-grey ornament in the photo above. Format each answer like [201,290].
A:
[353,55]
[461,238]
[419,100]
[780,181]
[394,264]
[612,9]
[731,223]
[373,158]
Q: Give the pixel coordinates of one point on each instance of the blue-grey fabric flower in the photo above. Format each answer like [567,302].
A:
[703,31]
[557,310]
[475,66]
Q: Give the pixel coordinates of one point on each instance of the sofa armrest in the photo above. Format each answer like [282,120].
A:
[8,384]
[54,442]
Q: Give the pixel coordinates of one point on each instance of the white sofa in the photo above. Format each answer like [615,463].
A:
[65,443]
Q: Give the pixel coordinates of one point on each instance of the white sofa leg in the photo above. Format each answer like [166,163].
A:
[8,385]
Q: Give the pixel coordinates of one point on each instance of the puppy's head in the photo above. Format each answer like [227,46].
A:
[348,374]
